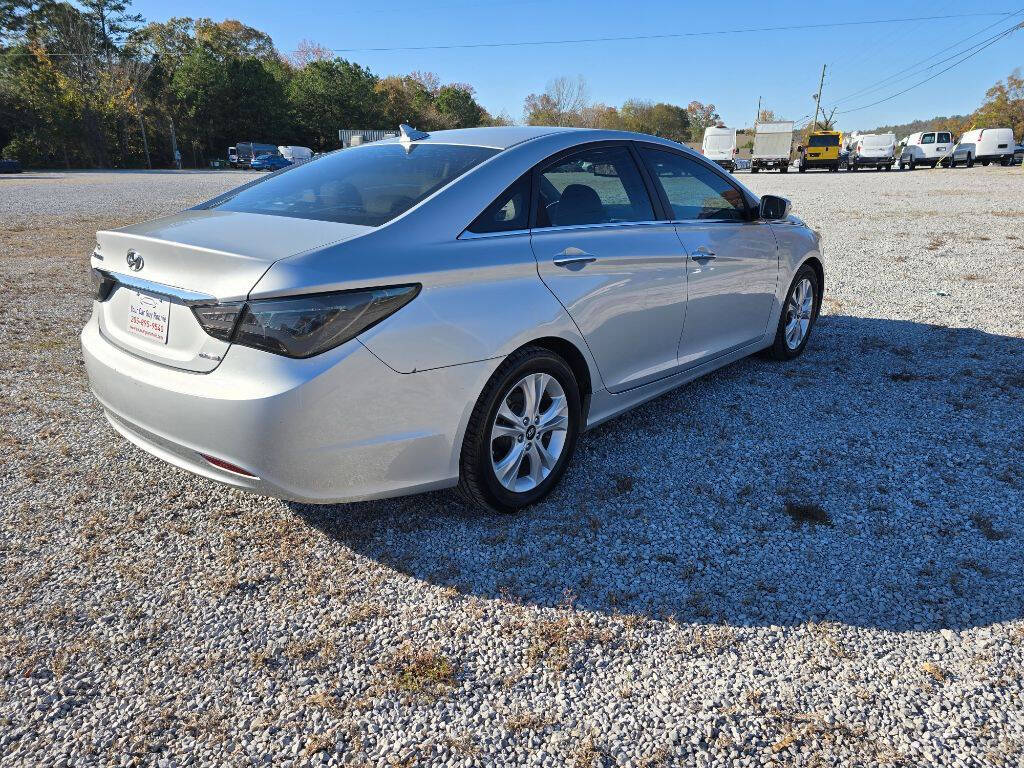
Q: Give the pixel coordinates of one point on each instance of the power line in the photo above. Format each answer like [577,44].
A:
[663,36]
[990,41]
[879,84]
[628,38]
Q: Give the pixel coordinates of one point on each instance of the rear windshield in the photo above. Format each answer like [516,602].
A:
[928,138]
[944,138]
[366,185]
[824,141]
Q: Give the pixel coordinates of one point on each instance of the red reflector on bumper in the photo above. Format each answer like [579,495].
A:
[221,464]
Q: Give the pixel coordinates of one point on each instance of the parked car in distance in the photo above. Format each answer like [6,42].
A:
[719,146]
[269,161]
[872,150]
[925,148]
[1018,155]
[233,157]
[10,165]
[246,151]
[985,145]
[295,154]
[822,151]
[773,146]
[442,309]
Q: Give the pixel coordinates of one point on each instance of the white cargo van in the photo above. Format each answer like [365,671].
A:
[871,150]
[296,154]
[985,145]
[720,146]
[925,148]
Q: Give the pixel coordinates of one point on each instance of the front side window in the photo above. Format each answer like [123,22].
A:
[694,191]
[595,186]
[366,185]
[928,138]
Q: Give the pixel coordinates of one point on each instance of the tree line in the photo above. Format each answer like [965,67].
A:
[92,85]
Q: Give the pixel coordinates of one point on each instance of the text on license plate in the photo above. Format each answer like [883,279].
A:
[148,317]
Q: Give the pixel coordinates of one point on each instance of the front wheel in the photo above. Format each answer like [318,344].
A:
[522,433]
[797,316]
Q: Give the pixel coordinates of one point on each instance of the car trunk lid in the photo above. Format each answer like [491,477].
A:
[164,267]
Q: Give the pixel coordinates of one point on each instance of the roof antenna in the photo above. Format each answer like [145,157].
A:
[411,134]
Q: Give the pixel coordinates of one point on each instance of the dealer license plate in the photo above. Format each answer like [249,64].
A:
[148,317]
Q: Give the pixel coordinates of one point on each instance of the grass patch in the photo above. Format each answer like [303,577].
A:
[812,514]
[422,671]
[987,528]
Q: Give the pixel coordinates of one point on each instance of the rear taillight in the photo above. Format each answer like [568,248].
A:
[303,326]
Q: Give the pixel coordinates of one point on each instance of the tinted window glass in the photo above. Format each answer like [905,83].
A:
[366,185]
[693,190]
[509,211]
[928,138]
[823,141]
[596,186]
[944,138]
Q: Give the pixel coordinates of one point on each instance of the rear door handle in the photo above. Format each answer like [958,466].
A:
[573,256]
[703,254]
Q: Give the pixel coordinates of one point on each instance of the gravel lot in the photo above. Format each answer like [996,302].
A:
[813,564]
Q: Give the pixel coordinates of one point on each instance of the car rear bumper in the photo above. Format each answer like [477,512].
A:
[872,161]
[341,426]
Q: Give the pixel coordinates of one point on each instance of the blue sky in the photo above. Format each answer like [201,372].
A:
[729,70]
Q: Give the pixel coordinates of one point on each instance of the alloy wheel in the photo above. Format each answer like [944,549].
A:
[529,432]
[799,308]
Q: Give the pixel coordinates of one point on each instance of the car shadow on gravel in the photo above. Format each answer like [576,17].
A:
[877,481]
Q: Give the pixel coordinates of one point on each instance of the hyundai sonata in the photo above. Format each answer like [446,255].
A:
[438,309]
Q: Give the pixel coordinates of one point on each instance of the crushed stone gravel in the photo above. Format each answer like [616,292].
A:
[815,564]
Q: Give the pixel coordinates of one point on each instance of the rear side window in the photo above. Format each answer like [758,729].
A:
[366,185]
[509,211]
[595,186]
[928,138]
[694,191]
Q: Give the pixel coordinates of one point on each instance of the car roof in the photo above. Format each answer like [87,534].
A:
[506,136]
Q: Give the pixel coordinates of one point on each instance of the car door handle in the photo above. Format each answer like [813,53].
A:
[703,254]
[573,256]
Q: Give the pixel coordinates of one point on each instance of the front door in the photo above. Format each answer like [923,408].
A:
[733,260]
[618,271]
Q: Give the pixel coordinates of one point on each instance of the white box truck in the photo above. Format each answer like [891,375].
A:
[296,154]
[773,145]
[720,146]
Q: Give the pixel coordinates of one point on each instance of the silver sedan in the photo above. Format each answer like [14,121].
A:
[438,310]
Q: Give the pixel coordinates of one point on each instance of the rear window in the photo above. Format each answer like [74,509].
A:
[824,141]
[366,185]
[928,138]
[944,138]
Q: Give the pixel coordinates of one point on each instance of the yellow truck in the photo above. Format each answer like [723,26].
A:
[822,151]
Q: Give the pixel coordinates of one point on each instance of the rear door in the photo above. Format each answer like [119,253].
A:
[733,260]
[617,269]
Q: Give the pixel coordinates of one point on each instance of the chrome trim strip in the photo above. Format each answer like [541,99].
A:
[602,225]
[467,235]
[186,297]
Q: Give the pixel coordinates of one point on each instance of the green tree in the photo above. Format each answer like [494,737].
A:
[456,105]
[1004,106]
[326,96]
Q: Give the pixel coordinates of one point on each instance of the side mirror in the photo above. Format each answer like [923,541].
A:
[774,208]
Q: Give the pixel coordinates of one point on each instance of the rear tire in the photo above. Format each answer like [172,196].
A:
[985,163]
[502,442]
[913,163]
[970,160]
[784,169]
[800,310]
[754,169]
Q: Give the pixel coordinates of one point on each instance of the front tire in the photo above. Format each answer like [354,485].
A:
[799,312]
[522,433]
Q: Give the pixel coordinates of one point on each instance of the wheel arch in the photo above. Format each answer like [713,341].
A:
[576,361]
[819,270]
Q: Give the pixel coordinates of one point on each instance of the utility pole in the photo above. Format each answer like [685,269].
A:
[757,117]
[817,99]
